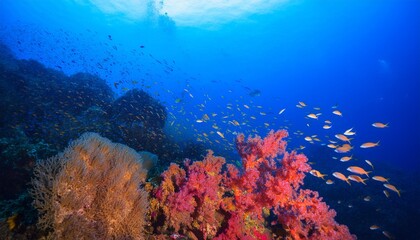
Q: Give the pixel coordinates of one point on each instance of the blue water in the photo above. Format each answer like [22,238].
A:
[362,57]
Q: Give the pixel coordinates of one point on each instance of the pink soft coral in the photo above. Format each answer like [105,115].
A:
[190,199]
[205,202]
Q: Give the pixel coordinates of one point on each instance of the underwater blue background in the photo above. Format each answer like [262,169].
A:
[362,57]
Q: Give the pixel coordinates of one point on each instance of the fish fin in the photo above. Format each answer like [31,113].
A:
[363,180]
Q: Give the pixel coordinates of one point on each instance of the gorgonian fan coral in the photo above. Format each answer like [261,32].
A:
[91,191]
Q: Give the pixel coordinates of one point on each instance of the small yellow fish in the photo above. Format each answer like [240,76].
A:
[380,179]
[309,139]
[379,125]
[338,113]
[312,115]
[326,126]
[220,134]
[327,121]
[369,144]
[331,145]
[358,170]
[392,188]
[302,104]
[374,227]
[236,123]
[281,111]
[199,121]
[341,177]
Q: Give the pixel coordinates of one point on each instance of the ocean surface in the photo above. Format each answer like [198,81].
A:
[322,70]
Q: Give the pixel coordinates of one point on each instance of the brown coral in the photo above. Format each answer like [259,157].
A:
[91,191]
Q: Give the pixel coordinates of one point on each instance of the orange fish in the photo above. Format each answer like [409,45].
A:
[342,137]
[331,145]
[316,173]
[379,125]
[380,178]
[312,115]
[369,144]
[338,113]
[392,188]
[329,182]
[358,170]
[357,179]
[374,227]
[388,235]
[341,177]
[343,149]
[346,158]
[309,139]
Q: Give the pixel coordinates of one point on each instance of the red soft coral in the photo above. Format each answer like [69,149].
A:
[237,203]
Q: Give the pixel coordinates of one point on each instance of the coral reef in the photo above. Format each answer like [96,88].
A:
[91,191]
[266,195]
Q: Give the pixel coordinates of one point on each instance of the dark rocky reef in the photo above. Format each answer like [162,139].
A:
[43,109]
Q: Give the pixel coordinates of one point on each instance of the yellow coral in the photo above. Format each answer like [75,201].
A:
[11,222]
